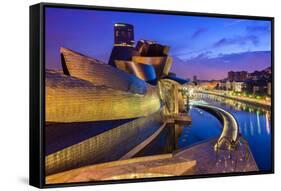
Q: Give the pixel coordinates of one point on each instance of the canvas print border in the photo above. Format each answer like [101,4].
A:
[37,92]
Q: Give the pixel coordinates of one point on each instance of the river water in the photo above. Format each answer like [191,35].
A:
[254,124]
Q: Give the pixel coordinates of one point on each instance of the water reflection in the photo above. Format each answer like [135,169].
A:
[267,116]
[254,124]
[166,142]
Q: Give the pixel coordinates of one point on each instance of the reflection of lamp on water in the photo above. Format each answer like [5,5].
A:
[267,118]
[258,121]
[252,127]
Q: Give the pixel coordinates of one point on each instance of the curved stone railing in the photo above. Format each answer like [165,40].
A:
[230,132]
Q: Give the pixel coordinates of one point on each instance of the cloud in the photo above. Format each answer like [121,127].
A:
[207,68]
[198,32]
[203,55]
[237,40]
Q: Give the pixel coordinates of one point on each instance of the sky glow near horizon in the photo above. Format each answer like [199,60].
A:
[204,46]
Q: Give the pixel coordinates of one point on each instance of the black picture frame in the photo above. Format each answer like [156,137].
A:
[37,92]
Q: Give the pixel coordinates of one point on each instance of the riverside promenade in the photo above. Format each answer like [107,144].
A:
[199,159]
[262,103]
[225,154]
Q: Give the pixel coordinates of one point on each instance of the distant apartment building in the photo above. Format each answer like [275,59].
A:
[256,87]
[269,88]
[232,86]
[264,74]
[257,82]
[228,85]
[195,79]
[238,86]
[237,76]
[222,85]
[230,76]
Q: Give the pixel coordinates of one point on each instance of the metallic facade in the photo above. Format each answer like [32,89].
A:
[162,65]
[136,60]
[69,99]
[145,72]
[98,73]
[107,146]
[89,90]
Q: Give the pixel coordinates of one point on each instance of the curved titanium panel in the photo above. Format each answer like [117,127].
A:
[98,73]
[70,99]
[145,72]
[162,65]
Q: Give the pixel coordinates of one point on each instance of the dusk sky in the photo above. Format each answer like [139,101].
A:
[203,46]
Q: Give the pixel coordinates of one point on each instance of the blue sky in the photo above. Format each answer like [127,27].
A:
[195,41]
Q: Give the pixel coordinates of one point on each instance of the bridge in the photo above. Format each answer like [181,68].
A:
[230,132]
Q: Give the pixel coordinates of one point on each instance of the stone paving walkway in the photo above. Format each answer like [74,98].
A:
[210,161]
[141,167]
[198,159]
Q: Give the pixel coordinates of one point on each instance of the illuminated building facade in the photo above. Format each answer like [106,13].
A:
[269,88]
[145,72]
[135,85]
[151,48]
[69,99]
[239,86]
[98,73]
[148,60]
[237,76]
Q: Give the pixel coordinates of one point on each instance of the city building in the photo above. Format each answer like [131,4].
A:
[195,79]
[228,85]
[230,76]
[257,82]
[269,88]
[222,85]
[264,74]
[256,87]
[238,86]
[237,76]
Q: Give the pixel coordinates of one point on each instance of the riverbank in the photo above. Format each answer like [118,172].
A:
[196,160]
[255,102]
[254,125]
